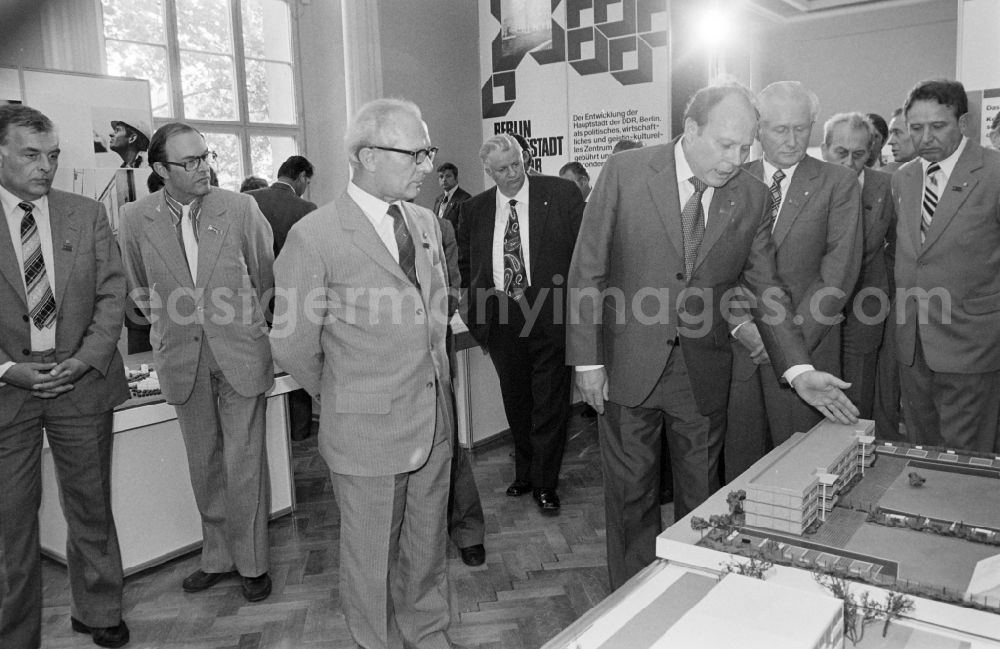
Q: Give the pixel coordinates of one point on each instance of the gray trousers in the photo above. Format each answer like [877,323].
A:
[224,435]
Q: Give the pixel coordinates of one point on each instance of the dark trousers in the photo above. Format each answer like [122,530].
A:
[81,452]
[885,410]
[631,440]
[300,413]
[861,371]
[535,386]
[466,523]
[959,411]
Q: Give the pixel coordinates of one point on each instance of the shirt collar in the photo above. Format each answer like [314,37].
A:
[769,170]
[684,172]
[282,182]
[521,196]
[374,207]
[10,202]
[177,208]
[948,164]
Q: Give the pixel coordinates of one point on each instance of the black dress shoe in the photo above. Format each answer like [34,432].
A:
[518,488]
[474,555]
[548,500]
[256,588]
[103,636]
[199,580]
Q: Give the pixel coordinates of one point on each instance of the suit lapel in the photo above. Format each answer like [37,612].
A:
[484,221]
[65,243]
[212,229]
[961,183]
[162,235]
[422,242]
[911,187]
[720,214]
[538,215]
[663,188]
[8,262]
[363,236]
[802,186]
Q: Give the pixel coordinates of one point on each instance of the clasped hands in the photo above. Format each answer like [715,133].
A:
[46,380]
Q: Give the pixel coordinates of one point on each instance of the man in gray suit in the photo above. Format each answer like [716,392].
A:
[815,222]
[204,258]
[948,275]
[847,138]
[63,297]
[360,321]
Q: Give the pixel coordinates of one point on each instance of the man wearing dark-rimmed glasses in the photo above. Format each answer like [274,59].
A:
[199,263]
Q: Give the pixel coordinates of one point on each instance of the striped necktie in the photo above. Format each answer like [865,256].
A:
[693,222]
[772,216]
[931,195]
[407,252]
[41,302]
[515,277]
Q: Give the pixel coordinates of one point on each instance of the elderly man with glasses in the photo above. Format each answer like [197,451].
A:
[199,263]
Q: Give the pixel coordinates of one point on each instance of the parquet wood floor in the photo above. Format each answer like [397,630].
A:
[541,573]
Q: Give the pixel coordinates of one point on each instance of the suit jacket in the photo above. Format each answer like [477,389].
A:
[450,247]
[555,210]
[879,219]
[235,258]
[818,236]
[451,212]
[374,350]
[631,245]
[89,289]
[959,262]
[282,208]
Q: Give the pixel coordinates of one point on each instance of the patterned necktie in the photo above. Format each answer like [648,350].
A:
[41,302]
[693,221]
[515,278]
[407,253]
[772,216]
[930,202]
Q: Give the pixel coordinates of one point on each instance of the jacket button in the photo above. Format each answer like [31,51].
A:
[420,311]
[680,276]
[25,317]
[26,352]
[430,384]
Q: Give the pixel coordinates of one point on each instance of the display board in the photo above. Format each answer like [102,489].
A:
[575,76]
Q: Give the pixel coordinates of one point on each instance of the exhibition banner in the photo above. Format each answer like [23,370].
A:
[990,109]
[575,76]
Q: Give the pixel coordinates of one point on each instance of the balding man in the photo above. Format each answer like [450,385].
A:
[681,219]
[847,138]
[815,224]
[360,322]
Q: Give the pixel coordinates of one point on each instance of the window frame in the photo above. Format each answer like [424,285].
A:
[242,126]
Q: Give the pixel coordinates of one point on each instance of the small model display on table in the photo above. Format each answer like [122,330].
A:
[142,382]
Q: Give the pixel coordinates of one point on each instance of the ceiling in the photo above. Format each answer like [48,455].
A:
[787,10]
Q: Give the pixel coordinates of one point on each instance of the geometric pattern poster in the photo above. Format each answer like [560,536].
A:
[575,76]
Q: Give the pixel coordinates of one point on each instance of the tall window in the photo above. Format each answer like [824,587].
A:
[224,66]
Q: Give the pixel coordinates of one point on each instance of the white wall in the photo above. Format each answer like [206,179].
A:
[979,44]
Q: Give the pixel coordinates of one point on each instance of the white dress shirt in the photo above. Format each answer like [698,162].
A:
[41,339]
[447,199]
[377,212]
[502,215]
[947,165]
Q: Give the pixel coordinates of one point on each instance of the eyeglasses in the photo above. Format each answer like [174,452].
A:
[418,156]
[191,164]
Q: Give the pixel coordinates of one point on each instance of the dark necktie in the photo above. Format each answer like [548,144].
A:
[407,253]
[41,302]
[931,195]
[772,216]
[693,220]
[515,277]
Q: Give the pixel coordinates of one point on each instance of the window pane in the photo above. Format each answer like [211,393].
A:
[134,20]
[229,165]
[142,62]
[273,43]
[267,152]
[204,25]
[207,81]
[270,92]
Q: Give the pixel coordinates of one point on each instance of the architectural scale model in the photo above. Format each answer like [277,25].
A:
[142,382]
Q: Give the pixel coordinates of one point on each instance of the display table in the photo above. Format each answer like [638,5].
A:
[151,496]
[929,624]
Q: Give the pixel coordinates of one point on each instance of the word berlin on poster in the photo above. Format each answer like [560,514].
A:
[575,76]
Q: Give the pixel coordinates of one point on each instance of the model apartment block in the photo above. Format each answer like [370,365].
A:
[804,482]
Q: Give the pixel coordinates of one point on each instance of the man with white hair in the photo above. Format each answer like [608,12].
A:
[360,320]
[846,140]
[815,221]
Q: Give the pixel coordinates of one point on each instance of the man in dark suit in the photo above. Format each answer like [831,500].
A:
[847,138]
[816,230]
[446,204]
[374,351]
[646,332]
[948,275]
[515,243]
[63,296]
[282,205]
[204,257]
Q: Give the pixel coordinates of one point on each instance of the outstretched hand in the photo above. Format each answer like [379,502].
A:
[825,392]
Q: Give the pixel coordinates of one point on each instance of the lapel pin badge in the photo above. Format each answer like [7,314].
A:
[426,239]
[214,229]
[67,246]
